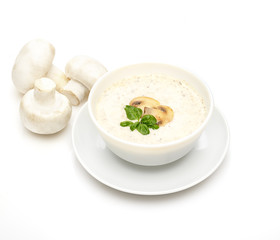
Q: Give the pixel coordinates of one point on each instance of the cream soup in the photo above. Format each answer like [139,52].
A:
[188,106]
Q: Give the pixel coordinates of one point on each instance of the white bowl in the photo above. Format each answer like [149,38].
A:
[153,154]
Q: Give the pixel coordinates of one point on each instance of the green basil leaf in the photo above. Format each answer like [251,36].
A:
[149,120]
[126,123]
[143,129]
[133,113]
[155,126]
[133,126]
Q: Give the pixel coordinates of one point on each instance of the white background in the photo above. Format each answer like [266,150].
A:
[232,45]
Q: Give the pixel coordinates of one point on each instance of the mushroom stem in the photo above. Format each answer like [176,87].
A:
[58,77]
[75,92]
[44,91]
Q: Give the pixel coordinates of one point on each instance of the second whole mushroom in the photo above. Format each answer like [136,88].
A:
[34,61]
[83,71]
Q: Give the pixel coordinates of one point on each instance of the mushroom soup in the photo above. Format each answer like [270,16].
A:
[189,110]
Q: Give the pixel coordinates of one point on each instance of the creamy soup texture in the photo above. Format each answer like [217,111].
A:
[188,106]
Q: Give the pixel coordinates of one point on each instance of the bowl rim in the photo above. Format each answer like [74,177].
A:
[179,141]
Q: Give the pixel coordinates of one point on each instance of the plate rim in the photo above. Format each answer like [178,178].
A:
[151,193]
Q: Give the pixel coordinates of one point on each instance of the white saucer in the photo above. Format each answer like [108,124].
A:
[186,172]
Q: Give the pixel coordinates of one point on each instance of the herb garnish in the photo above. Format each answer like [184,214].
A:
[142,124]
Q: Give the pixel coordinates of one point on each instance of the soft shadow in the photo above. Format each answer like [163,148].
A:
[47,137]
[100,187]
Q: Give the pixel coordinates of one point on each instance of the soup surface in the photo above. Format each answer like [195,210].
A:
[188,106]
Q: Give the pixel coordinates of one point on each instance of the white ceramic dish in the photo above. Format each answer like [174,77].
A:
[153,154]
[106,167]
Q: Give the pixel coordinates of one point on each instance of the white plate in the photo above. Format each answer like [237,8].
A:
[186,172]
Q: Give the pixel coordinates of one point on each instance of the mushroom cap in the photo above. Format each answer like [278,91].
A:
[33,62]
[85,70]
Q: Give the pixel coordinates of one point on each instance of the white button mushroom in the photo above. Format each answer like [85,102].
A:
[82,71]
[34,61]
[43,110]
